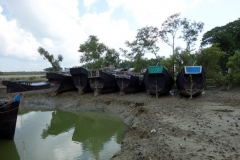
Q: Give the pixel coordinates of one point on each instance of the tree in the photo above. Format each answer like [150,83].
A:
[54,62]
[91,50]
[170,26]
[146,41]
[111,57]
[227,37]
[234,65]
[190,33]
[209,58]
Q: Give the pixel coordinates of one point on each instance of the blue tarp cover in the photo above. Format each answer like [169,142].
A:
[193,69]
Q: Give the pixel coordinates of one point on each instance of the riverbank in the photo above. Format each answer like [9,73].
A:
[168,127]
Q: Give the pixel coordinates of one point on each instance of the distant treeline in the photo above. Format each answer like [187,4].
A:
[22,73]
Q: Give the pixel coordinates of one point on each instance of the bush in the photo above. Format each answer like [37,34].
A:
[31,78]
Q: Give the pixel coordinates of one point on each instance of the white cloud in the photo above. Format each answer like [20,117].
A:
[15,41]
[150,12]
[88,3]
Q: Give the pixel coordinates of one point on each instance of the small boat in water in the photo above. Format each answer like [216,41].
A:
[60,82]
[8,118]
[129,83]
[191,81]
[102,82]
[80,78]
[158,80]
[23,86]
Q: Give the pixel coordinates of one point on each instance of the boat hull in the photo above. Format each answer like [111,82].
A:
[190,84]
[8,119]
[102,82]
[130,84]
[158,83]
[80,79]
[60,83]
[13,87]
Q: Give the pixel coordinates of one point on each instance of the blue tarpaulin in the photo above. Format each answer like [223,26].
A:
[193,69]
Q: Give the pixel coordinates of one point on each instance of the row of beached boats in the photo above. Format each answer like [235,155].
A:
[156,80]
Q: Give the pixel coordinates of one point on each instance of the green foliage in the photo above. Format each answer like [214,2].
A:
[183,58]
[227,36]
[190,33]
[140,63]
[54,62]
[31,78]
[145,42]
[112,57]
[209,58]
[170,27]
[234,65]
[91,50]
[126,64]
[11,78]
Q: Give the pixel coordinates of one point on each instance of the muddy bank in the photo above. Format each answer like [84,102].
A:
[170,127]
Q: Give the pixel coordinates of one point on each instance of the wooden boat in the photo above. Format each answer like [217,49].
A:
[80,79]
[191,81]
[60,82]
[129,83]
[157,80]
[8,119]
[23,86]
[102,82]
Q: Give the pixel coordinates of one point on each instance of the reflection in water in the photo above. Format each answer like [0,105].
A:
[61,122]
[65,135]
[93,131]
[8,150]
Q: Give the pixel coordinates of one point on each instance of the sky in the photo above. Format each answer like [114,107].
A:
[60,26]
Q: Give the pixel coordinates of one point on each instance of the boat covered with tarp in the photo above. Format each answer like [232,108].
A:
[23,86]
[60,82]
[80,79]
[129,82]
[102,82]
[8,118]
[158,80]
[191,80]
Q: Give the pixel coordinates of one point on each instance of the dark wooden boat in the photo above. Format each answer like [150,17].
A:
[60,82]
[102,82]
[129,83]
[23,86]
[80,79]
[191,81]
[8,119]
[157,80]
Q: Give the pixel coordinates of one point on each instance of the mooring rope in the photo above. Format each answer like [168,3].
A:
[23,142]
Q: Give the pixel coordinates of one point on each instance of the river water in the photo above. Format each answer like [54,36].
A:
[62,135]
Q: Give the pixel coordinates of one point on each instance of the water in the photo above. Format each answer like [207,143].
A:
[61,135]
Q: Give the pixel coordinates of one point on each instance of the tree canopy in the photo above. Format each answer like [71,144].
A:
[227,37]
[54,62]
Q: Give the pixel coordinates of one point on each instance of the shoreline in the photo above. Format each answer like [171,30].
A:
[168,127]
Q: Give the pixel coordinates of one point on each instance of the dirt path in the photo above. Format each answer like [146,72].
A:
[170,127]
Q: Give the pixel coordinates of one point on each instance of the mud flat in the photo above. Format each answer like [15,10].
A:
[168,127]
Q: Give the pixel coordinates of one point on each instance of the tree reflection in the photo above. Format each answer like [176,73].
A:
[61,122]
